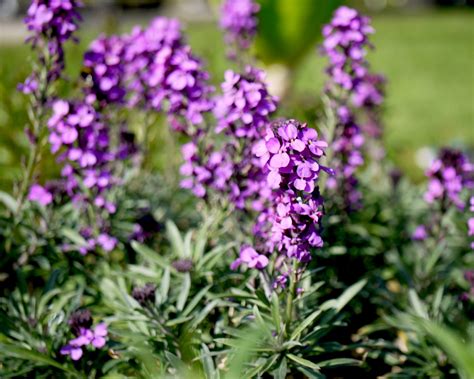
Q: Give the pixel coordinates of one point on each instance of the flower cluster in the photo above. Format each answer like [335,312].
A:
[40,195]
[470,221]
[104,62]
[145,295]
[81,326]
[289,153]
[351,87]
[469,295]
[448,175]
[80,138]
[78,131]
[242,113]
[52,23]
[163,74]
[239,21]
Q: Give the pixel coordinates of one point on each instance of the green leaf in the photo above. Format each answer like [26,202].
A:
[8,201]
[208,362]
[304,324]
[460,351]
[175,238]
[311,374]
[74,237]
[150,255]
[195,301]
[184,293]
[276,312]
[339,362]
[345,297]
[282,370]
[203,313]
[165,285]
[417,304]
[303,362]
[32,356]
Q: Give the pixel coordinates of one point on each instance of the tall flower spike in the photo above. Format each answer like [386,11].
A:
[351,87]
[448,175]
[51,23]
[164,75]
[290,154]
[242,113]
[238,19]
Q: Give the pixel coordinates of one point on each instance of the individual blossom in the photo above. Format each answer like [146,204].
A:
[238,19]
[447,176]
[163,75]
[420,233]
[251,258]
[40,195]
[81,326]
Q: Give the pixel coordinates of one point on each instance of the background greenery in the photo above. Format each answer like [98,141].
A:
[426,55]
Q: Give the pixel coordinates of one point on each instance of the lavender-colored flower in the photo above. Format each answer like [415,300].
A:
[239,21]
[163,74]
[448,175]
[95,337]
[52,23]
[470,221]
[420,233]
[245,105]
[251,258]
[290,153]
[104,60]
[351,88]
[242,113]
[79,134]
[40,195]
[80,323]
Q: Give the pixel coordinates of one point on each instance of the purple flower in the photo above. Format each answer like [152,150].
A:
[40,195]
[448,175]
[290,155]
[106,241]
[420,233]
[105,59]
[251,258]
[230,168]
[351,88]
[162,74]
[238,19]
[52,23]
[80,323]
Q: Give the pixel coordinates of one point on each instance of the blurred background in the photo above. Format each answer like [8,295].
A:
[425,48]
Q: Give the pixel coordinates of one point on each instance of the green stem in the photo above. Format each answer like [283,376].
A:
[291,296]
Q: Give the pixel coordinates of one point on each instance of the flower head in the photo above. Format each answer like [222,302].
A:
[239,21]
[40,195]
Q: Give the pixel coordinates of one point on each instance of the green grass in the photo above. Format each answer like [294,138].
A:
[427,58]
